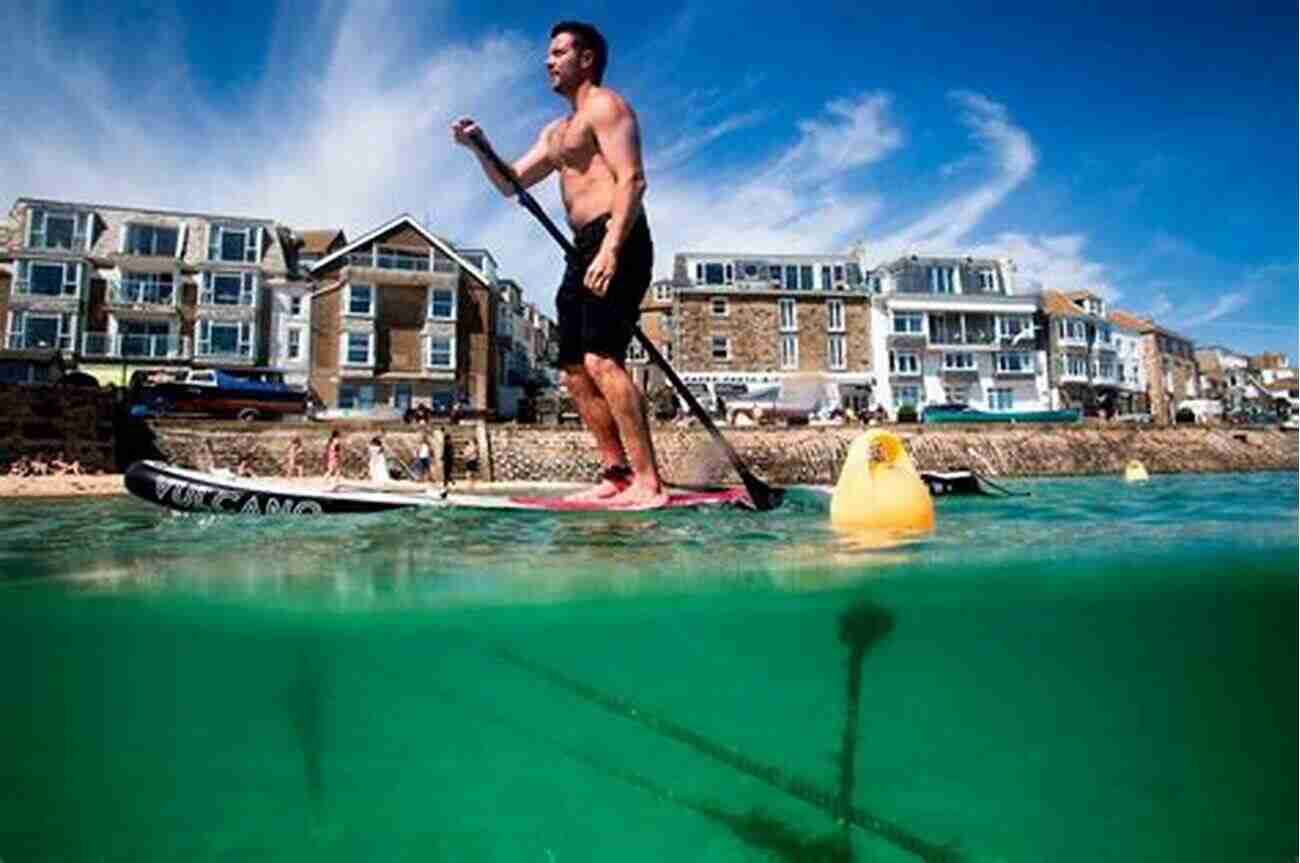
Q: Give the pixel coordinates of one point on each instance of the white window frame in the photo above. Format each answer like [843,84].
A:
[65,328]
[345,358]
[636,352]
[787,311]
[905,363]
[899,317]
[942,280]
[1002,399]
[289,344]
[301,304]
[837,352]
[147,282]
[725,342]
[451,352]
[451,316]
[716,303]
[1002,362]
[663,293]
[951,362]
[788,346]
[347,301]
[69,286]
[252,242]
[130,226]
[249,282]
[81,222]
[988,280]
[245,338]
[835,316]
[908,394]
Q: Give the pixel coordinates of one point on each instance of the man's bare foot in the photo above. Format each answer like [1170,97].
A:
[613,481]
[639,495]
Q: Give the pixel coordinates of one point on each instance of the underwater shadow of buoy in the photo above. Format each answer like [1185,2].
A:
[880,499]
[861,627]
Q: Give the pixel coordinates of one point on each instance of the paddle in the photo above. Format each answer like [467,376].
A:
[761,495]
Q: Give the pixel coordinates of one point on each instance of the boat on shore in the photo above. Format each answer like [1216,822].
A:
[959,413]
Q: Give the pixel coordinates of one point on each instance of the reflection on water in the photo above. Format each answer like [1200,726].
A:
[652,686]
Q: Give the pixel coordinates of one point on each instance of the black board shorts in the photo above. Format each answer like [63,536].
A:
[603,325]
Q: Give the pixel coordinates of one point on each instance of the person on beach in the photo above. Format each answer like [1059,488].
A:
[596,151]
[378,462]
[292,460]
[332,453]
[424,460]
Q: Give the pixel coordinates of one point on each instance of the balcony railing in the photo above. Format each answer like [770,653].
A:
[966,338]
[135,346]
[208,350]
[141,293]
[37,342]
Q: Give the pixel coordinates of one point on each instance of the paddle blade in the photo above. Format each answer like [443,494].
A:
[762,496]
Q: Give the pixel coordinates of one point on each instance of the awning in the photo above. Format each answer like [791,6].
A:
[116,375]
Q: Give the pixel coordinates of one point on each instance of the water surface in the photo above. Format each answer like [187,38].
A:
[1094,672]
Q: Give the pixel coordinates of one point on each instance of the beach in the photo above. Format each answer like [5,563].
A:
[102,485]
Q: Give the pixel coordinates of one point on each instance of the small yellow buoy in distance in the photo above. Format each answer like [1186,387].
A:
[879,491]
[1134,471]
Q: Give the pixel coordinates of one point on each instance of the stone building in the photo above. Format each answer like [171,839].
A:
[955,330]
[1093,363]
[118,287]
[1169,361]
[761,318]
[401,318]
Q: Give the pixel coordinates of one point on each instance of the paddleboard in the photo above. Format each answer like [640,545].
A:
[194,491]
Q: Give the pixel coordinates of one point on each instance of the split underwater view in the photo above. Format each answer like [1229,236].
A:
[1096,671]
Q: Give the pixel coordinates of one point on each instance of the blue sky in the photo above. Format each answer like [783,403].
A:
[1149,154]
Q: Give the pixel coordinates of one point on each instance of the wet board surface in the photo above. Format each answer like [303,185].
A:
[194,491]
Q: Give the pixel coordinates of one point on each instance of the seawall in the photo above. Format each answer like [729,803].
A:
[510,453]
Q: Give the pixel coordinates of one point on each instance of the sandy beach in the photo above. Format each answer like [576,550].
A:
[103,485]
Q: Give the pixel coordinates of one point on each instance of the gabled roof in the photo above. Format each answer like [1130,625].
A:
[319,241]
[1130,321]
[1058,304]
[407,220]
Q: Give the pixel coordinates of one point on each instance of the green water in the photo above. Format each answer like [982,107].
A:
[1095,672]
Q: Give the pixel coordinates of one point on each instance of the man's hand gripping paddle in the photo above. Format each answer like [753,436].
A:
[761,495]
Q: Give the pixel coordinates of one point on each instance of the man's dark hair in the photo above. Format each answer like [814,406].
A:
[586,38]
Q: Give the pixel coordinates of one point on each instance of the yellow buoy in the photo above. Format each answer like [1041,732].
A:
[879,491]
[1134,471]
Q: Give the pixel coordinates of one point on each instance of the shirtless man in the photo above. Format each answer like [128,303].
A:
[596,151]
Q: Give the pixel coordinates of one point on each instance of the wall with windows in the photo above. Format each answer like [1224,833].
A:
[771,332]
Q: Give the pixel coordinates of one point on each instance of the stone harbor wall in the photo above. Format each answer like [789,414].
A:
[48,420]
[510,453]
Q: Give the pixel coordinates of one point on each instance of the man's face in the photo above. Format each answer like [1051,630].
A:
[564,64]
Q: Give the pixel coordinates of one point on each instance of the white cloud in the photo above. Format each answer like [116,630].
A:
[944,228]
[1224,305]
[1049,262]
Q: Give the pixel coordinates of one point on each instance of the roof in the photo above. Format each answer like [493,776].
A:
[319,241]
[1131,321]
[410,222]
[150,210]
[1059,304]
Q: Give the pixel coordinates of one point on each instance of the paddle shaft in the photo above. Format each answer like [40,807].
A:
[759,492]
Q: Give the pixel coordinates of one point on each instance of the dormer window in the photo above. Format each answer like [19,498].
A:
[65,230]
[151,241]
[234,243]
[988,281]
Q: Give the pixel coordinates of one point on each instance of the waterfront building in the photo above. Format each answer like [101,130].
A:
[956,330]
[1226,376]
[512,345]
[400,317]
[1094,364]
[288,341]
[758,318]
[1169,362]
[117,288]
